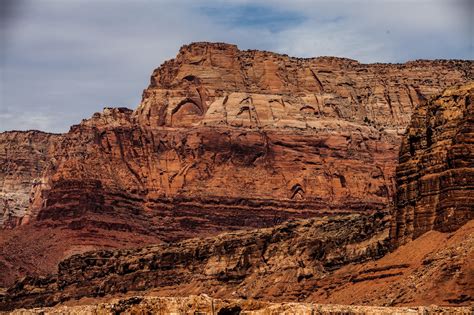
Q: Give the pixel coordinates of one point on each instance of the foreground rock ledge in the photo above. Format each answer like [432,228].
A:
[203,304]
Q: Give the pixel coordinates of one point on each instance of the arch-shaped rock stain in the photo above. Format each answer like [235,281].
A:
[186,107]
[297,192]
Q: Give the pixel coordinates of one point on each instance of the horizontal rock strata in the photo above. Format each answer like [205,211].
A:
[330,260]
[249,263]
[435,177]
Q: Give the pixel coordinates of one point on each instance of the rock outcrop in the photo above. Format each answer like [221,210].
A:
[24,156]
[226,139]
[223,140]
[259,263]
[204,305]
[329,260]
[217,84]
[435,177]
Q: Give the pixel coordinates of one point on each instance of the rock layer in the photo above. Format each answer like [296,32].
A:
[24,156]
[259,263]
[435,177]
[329,260]
[207,306]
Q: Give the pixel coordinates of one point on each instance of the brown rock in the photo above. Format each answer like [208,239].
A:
[223,140]
[435,177]
[335,259]
[205,305]
[275,263]
[328,260]
[226,139]
[24,156]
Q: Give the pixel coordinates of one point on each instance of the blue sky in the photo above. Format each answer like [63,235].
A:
[61,61]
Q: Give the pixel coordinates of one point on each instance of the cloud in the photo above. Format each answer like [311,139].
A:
[251,16]
[64,60]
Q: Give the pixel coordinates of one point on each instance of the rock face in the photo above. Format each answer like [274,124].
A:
[217,84]
[328,260]
[259,263]
[24,156]
[435,177]
[223,140]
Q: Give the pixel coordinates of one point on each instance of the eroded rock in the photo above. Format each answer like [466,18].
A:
[435,177]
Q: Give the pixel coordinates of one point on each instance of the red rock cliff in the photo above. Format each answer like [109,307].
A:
[226,139]
[435,177]
[229,139]
[24,156]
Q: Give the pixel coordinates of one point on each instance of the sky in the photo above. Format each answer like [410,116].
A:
[61,61]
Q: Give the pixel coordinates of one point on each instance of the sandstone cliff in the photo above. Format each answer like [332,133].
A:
[435,177]
[24,156]
[217,84]
[226,139]
[223,139]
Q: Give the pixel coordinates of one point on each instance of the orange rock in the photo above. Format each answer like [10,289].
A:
[435,177]
[223,140]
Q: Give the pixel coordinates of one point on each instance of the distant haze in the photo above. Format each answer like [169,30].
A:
[61,61]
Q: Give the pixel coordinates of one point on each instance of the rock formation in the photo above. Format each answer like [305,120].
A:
[229,140]
[24,156]
[329,260]
[226,139]
[435,177]
[257,264]
[205,305]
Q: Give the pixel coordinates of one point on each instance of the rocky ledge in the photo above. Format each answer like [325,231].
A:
[337,260]
[245,263]
[204,305]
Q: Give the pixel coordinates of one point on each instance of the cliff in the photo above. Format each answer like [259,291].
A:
[217,84]
[24,156]
[227,139]
[223,140]
[435,177]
